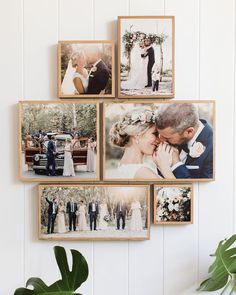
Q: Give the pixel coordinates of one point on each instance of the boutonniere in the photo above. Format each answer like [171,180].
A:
[94,69]
[196,150]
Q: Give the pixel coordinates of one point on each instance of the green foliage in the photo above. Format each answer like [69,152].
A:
[223,269]
[59,118]
[70,282]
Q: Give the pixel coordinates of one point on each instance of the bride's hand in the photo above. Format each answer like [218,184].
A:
[163,156]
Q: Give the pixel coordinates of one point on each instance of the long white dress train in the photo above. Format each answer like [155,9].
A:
[138,70]
[136,218]
[68,169]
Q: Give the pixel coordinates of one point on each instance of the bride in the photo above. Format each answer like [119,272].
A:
[136,133]
[138,69]
[68,169]
[76,77]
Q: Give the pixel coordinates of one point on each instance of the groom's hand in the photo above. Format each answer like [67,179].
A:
[175,156]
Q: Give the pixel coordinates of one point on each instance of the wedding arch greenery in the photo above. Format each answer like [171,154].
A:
[132,37]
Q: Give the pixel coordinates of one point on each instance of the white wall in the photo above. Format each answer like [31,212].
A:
[176,258]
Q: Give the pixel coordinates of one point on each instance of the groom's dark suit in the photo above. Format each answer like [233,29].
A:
[93,211]
[71,208]
[151,60]
[121,211]
[201,167]
[98,79]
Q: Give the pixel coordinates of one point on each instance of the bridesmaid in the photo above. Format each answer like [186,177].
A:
[61,225]
[91,155]
[82,216]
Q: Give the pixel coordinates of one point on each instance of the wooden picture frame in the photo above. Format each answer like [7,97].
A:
[80,63]
[39,121]
[119,115]
[71,219]
[173,204]
[146,58]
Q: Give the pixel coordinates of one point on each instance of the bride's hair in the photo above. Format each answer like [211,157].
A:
[130,124]
[74,57]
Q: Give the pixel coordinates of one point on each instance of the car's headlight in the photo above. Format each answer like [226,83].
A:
[36,158]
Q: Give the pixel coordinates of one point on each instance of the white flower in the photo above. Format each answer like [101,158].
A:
[143,118]
[135,117]
[196,150]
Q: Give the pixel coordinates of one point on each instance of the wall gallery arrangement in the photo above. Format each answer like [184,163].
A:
[132,146]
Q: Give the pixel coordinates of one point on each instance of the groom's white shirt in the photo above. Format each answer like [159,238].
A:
[183,155]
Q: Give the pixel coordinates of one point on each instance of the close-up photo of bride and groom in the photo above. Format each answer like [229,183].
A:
[159,141]
[86,68]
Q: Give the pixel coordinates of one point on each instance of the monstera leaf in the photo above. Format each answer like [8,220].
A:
[70,282]
[223,269]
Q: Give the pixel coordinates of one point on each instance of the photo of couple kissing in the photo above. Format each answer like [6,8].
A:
[159,141]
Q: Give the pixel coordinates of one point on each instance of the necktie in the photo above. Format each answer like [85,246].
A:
[185,148]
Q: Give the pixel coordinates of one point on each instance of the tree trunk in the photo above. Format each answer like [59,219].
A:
[161,63]
[74,116]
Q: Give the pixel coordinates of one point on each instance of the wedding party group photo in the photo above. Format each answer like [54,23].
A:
[158,141]
[146,56]
[94,212]
[86,69]
[173,204]
[58,141]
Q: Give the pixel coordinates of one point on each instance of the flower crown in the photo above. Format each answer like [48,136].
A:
[143,117]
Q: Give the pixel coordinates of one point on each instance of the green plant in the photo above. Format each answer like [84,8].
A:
[223,269]
[70,282]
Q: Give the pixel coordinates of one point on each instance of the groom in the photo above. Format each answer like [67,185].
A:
[180,126]
[151,60]
[99,73]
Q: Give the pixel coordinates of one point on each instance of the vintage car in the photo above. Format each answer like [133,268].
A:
[38,159]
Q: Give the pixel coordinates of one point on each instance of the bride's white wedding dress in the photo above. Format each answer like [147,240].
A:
[129,170]
[67,85]
[68,169]
[138,70]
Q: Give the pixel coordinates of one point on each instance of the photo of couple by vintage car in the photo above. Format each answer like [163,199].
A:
[58,141]
[86,68]
[159,141]
[94,212]
[173,204]
[146,56]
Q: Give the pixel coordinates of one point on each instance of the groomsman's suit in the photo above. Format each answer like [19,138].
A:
[93,212]
[202,166]
[98,79]
[121,210]
[52,214]
[71,208]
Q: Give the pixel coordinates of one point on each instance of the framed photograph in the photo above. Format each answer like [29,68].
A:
[59,141]
[173,204]
[86,69]
[94,212]
[146,56]
[159,141]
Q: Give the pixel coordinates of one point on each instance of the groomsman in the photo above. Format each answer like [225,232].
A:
[71,208]
[93,213]
[121,211]
[52,214]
